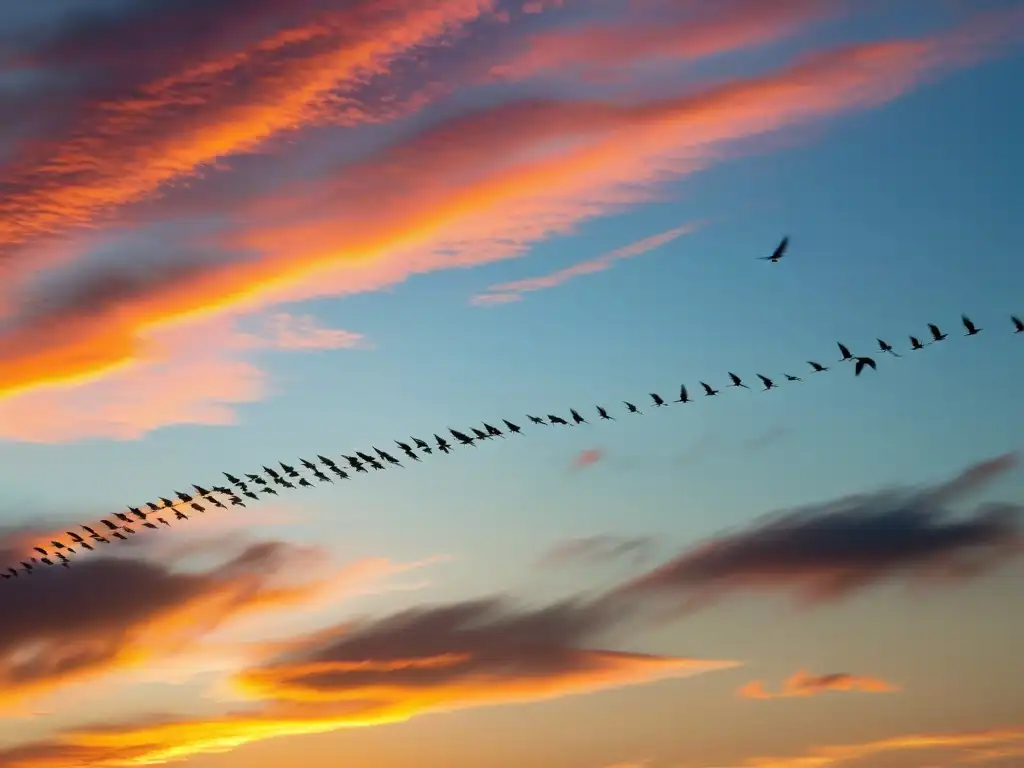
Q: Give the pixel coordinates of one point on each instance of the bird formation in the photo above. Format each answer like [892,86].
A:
[266,482]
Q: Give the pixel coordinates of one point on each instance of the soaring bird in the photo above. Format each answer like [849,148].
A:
[251,495]
[709,391]
[272,472]
[844,351]
[387,457]
[167,502]
[778,253]
[557,420]
[1018,324]
[137,512]
[423,445]
[790,377]
[576,418]
[408,451]
[231,478]
[632,408]
[937,335]
[462,437]
[537,420]
[768,383]
[603,413]
[861,363]
[480,434]
[884,346]
[972,329]
[494,431]
[309,465]
[163,522]
[321,477]
[270,490]
[110,526]
[515,429]
[684,396]
[123,517]
[183,496]
[915,343]
[365,457]
[736,381]
[148,524]
[152,506]
[285,484]
[197,507]
[442,445]
[237,502]
[119,535]
[257,479]
[326,461]
[216,502]
[354,463]
[179,515]
[657,400]
[289,470]
[340,473]
[203,492]
[222,490]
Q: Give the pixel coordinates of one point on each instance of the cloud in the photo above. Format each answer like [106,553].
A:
[283,331]
[967,748]
[508,292]
[588,457]
[830,551]
[598,548]
[475,188]
[427,659]
[688,34]
[805,684]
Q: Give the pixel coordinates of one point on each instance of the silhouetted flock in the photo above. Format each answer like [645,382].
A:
[253,486]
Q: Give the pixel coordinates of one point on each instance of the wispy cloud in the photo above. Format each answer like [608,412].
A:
[508,292]
[599,548]
[588,457]
[804,684]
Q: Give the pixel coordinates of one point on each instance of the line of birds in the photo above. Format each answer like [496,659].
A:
[156,514]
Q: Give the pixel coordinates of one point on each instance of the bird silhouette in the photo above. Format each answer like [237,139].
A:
[479,434]
[270,491]
[197,507]
[309,465]
[231,478]
[407,450]
[768,383]
[1018,324]
[709,391]
[884,346]
[289,470]
[657,400]
[937,335]
[463,438]
[915,343]
[778,253]
[367,458]
[355,463]
[215,502]
[137,512]
[494,431]
[971,328]
[845,352]
[736,381]
[326,461]
[387,457]
[340,473]
[576,418]
[273,473]
[537,420]
[632,408]
[515,429]
[257,479]
[603,413]
[423,445]
[790,377]
[557,420]
[442,445]
[183,496]
[251,495]
[179,515]
[861,363]
[285,484]
[237,502]
[146,524]
[684,396]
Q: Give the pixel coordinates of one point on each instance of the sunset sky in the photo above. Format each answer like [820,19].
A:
[236,232]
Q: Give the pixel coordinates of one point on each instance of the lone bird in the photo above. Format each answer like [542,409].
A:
[632,408]
[515,429]
[861,363]
[603,414]
[884,346]
[768,383]
[709,391]
[657,400]
[1018,324]
[737,381]
[576,418]
[915,343]
[972,329]
[684,396]
[937,335]
[845,352]
[778,253]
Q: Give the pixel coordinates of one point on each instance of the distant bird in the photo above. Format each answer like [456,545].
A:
[972,329]
[167,502]
[367,458]
[462,437]
[179,515]
[632,408]
[557,420]
[736,381]
[273,473]
[684,396]
[479,434]
[537,420]
[709,391]
[423,445]
[231,478]
[237,502]
[270,490]
[340,473]
[407,450]
[321,477]
[845,352]
[603,413]
[657,400]
[197,507]
[111,526]
[442,445]
[937,335]
[768,383]
[492,430]
[146,524]
[778,253]
[355,463]
[163,522]
[203,492]
[309,465]
[884,346]
[861,363]
[792,378]
[1018,324]
[915,343]
[387,457]
[183,496]
[222,490]
[137,512]
[285,484]
[251,495]
[215,502]
[289,470]
[119,535]
[122,516]
[576,418]
[515,429]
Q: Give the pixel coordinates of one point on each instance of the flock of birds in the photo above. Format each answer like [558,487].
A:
[154,514]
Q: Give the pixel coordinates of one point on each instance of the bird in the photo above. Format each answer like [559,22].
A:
[861,363]
[657,400]
[367,458]
[603,413]
[479,434]
[152,506]
[340,473]
[972,329]
[122,516]
[576,418]
[684,396]
[203,492]
[355,463]
[937,335]
[537,420]
[163,522]
[1018,324]
[215,502]
[778,253]
[146,524]
[768,383]
[845,352]
[515,429]
[884,346]
[309,465]
[167,502]
[388,457]
[423,445]
[915,343]
[257,479]
[109,525]
[270,490]
[442,445]
[251,495]
[709,391]
[632,408]
[179,515]
[237,502]
[222,490]
[289,470]
[408,451]
[285,484]
[271,472]
[494,431]
[231,478]
[183,496]
[321,477]
[790,377]
[197,507]
[557,420]
[463,438]
[137,512]
[736,381]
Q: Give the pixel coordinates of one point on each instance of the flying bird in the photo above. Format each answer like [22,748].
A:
[884,346]
[768,383]
[231,478]
[603,413]
[632,408]
[203,492]
[657,400]
[183,496]
[257,479]
[215,502]
[321,477]
[915,343]
[736,381]
[340,473]
[790,377]
[462,437]
[684,396]
[557,420]
[844,351]
[197,507]
[492,430]
[273,473]
[937,335]
[972,329]
[480,434]
[423,445]
[778,253]
[537,420]
[237,502]
[709,391]
[387,457]
[576,418]
[309,465]
[515,429]
[861,363]
[355,463]
[442,445]
[1018,324]
[289,470]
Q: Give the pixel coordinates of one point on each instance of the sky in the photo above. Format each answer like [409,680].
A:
[242,232]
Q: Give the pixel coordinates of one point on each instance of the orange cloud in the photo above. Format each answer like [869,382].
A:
[587,458]
[507,292]
[805,684]
[475,189]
